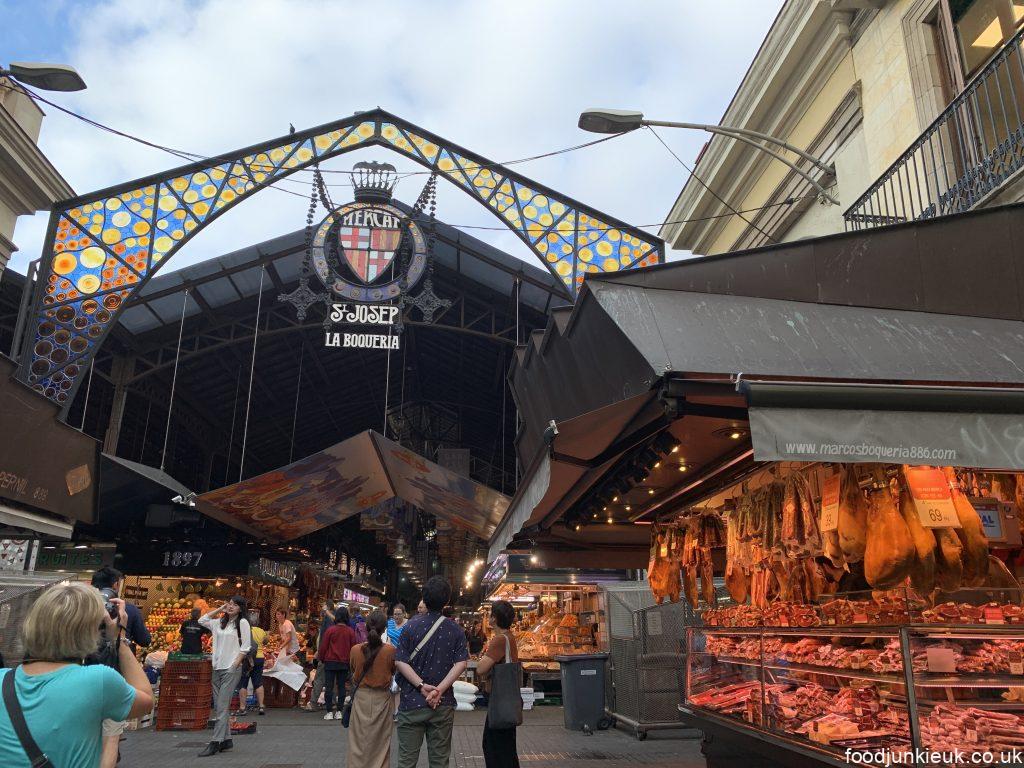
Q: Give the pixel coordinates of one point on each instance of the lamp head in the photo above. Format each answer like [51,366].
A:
[48,77]
[610,120]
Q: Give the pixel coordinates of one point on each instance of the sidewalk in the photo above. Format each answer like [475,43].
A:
[295,739]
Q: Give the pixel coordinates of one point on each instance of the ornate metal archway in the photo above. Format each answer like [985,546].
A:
[101,248]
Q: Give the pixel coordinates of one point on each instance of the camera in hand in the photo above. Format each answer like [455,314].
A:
[108,595]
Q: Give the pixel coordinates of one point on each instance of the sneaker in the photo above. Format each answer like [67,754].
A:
[337,715]
[329,716]
[263,711]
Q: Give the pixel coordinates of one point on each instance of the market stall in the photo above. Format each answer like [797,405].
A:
[795,445]
[927,655]
[559,612]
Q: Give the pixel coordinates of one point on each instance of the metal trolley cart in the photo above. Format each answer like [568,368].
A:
[647,662]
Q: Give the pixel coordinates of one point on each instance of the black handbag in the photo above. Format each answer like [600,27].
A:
[505,703]
[346,709]
[13,706]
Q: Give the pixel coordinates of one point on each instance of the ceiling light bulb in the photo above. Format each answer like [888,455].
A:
[615,498]
[735,435]
[595,514]
[610,521]
[628,507]
[650,491]
[533,559]
[682,467]
[675,449]
[578,526]
[657,464]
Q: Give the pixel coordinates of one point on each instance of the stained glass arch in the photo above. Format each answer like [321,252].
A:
[102,247]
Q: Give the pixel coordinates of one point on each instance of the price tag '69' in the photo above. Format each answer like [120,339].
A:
[930,491]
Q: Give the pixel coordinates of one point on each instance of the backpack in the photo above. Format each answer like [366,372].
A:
[249,662]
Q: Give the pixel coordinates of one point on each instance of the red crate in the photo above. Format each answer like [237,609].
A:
[185,699]
[195,719]
[187,671]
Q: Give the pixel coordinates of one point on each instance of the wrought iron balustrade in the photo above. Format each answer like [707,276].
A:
[971,149]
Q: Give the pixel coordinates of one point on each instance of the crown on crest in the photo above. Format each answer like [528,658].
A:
[373,182]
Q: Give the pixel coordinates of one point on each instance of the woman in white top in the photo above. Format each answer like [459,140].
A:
[232,639]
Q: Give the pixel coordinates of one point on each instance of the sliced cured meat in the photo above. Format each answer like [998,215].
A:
[690,585]
[707,584]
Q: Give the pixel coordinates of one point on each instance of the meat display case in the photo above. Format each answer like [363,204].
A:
[812,694]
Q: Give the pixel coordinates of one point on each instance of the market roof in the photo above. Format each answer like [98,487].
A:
[346,479]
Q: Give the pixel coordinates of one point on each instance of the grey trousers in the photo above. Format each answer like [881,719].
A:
[318,684]
[225,683]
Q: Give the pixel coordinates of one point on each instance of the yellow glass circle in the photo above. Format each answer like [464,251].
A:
[586,254]
[610,265]
[88,283]
[180,184]
[163,243]
[111,235]
[168,203]
[93,257]
[113,204]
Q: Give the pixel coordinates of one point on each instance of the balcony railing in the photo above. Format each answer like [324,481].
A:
[970,149]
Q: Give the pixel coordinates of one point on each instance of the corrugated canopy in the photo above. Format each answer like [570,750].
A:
[346,479]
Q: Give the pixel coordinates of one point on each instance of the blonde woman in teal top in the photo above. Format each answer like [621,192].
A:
[64,703]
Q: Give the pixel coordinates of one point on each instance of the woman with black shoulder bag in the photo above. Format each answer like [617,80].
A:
[502,674]
[232,641]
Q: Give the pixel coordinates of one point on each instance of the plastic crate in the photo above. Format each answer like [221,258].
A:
[185,699]
[194,719]
[186,672]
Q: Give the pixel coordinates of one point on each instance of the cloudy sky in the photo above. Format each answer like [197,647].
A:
[507,80]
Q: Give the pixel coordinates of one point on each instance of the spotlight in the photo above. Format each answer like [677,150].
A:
[650,491]
[578,527]
[628,507]
[533,559]
[682,467]
[610,520]
[675,449]
[615,498]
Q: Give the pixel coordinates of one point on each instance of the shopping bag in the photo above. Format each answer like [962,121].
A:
[505,705]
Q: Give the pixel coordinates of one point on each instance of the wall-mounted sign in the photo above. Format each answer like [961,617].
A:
[73,559]
[199,561]
[351,596]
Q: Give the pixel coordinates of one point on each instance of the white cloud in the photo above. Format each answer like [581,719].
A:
[506,80]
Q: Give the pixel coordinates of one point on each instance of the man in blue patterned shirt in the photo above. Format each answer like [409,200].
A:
[426,675]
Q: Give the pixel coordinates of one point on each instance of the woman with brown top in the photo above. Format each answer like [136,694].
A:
[372,667]
[499,743]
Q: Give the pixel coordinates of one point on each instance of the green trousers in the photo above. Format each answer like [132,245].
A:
[436,726]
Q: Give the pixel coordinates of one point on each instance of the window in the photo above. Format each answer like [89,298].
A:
[982,28]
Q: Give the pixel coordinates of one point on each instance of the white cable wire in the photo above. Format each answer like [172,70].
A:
[252,372]
[174,382]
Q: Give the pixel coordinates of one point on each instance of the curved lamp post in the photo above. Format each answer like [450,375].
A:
[47,77]
[624,120]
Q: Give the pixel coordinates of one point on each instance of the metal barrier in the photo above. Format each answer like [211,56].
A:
[968,151]
[18,591]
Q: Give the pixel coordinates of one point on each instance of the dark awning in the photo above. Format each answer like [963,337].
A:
[45,465]
[811,421]
[346,479]
[127,489]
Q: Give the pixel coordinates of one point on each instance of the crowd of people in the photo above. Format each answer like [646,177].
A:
[382,677]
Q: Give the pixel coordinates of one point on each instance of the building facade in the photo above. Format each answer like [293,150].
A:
[916,104]
[28,181]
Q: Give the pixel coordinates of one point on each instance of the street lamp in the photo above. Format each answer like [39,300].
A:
[48,77]
[625,120]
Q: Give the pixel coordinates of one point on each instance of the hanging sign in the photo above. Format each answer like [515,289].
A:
[364,314]
[830,490]
[930,491]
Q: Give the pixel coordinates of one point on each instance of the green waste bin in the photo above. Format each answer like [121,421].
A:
[583,690]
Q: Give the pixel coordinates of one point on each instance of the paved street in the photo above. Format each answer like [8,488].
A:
[294,739]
